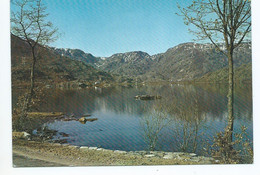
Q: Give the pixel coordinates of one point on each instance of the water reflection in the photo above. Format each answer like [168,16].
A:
[182,120]
[152,124]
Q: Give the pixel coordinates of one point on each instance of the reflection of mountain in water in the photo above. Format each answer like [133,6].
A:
[209,101]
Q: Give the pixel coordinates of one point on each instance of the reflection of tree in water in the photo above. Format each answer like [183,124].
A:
[242,97]
[179,117]
[152,124]
[188,121]
[189,110]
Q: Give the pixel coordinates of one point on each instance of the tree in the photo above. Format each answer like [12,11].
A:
[28,21]
[216,20]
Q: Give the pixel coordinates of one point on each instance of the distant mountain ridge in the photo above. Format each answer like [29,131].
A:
[127,64]
[183,62]
[77,54]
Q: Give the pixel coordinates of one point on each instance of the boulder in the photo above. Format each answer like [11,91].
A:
[120,152]
[82,119]
[149,155]
[93,148]
[21,135]
[84,148]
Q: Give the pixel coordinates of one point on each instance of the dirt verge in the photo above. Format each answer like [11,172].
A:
[47,154]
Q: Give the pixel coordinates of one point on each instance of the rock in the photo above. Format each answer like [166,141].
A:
[168,156]
[82,120]
[108,150]
[21,135]
[192,154]
[157,153]
[26,135]
[217,161]
[83,148]
[100,149]
[178,153]
[120,152]
[147,97]
[149,155]
[153,152]
[73,146]
[93,148]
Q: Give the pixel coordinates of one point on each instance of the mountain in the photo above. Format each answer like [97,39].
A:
[79,55]
[242,73]
[127,64]
[184,62]
[51,67]
[189,61]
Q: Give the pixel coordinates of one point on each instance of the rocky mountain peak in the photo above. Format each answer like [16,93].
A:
[130,56]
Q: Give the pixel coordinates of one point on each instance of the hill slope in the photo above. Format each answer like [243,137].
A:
[242,73]
[77,54]
[190,61]
[50,67]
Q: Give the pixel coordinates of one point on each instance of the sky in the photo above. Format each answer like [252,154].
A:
[106,27]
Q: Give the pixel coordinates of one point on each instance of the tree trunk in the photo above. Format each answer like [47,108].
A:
[32,73]
[29,96]
[230,96]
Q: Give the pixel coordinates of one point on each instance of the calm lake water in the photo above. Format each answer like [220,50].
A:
[185,119]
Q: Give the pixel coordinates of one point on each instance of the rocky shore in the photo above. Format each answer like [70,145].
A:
[55,154]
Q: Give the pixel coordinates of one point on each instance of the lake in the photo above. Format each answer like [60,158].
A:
[185,119]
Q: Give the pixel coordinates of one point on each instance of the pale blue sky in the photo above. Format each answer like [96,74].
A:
[105,27]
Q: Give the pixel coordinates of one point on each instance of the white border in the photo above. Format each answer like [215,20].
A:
[5,120]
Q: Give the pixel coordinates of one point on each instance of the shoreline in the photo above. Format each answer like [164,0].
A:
[53,155]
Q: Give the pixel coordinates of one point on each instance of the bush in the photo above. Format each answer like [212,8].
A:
[238,151]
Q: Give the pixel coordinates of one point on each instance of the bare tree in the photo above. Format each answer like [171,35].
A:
[28,21]
[221,20]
